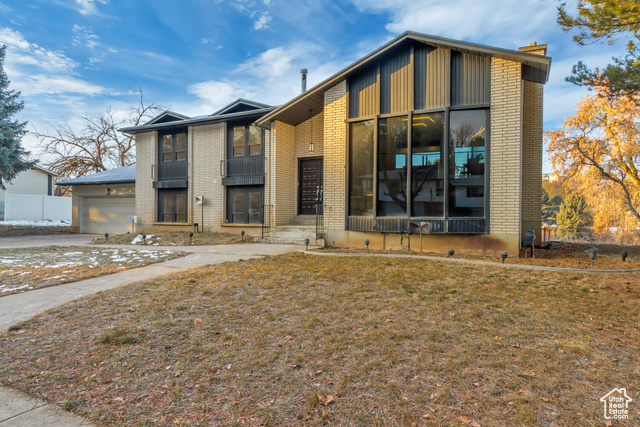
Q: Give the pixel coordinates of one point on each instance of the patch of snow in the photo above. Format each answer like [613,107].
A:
[44,223]
[139,239]
[119,259]
[73,254]
[12,289]
[55,277]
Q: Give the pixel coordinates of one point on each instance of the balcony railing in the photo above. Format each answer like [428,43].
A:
[170,171]
[242,166]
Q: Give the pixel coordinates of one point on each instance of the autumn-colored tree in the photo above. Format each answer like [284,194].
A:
[606,20]
[598,149]
[572,216]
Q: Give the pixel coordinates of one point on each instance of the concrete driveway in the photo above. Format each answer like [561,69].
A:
[47,240]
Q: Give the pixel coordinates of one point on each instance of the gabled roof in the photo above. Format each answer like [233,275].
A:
[41,169]
[240,105]
[125,174]
[206,120]
[311,102]
[166,116]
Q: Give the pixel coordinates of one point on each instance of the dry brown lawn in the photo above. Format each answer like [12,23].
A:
[174,238]
[389,341]
[28,230]
[27,269]
[565,255]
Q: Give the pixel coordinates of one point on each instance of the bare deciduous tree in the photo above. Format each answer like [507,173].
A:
[96,146]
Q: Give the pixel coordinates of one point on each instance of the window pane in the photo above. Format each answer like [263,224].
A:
[255,203]
[181,147]
[167,207]
[427,167]
[361,168]
[392,166]
[467,163]
[237,207]
[238,141]
[255,141]
[167,148]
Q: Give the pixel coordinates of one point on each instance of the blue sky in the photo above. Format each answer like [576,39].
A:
[79,57]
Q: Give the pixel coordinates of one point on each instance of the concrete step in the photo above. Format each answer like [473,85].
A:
[293,241]
[303,220]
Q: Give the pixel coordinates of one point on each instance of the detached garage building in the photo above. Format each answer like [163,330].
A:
[103,201]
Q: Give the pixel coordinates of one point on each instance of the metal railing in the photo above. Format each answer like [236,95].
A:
[266,220]
[242,166]
[166,171]
[319,221]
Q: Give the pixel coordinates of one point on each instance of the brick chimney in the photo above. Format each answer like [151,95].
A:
[535,48]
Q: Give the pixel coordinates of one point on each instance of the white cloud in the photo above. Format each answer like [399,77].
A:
[43,84]
[88,7]
[263,22]
[219,93]
[21,52]
[84,36]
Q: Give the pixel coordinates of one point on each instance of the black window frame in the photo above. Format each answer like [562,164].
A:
[247,138]
[174,152]
[245,191]
[174,193]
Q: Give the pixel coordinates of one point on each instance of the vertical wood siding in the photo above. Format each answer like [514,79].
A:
[395,78]
[470,79]
[432,77]
[362,94]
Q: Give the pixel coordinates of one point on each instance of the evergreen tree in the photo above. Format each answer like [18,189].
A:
[13,158]
[605,20]
[572,216]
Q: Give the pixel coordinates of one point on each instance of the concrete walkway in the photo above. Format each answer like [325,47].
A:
[470,261]
[17,409]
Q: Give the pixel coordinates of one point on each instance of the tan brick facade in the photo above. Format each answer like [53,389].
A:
[532,147]
[505,156]
[335,156]
[146,155]
[283,173]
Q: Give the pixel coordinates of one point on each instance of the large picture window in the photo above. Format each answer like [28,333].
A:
[172,206]
[467,141]
[392,166]
[427,165]
[361,168]
[244,204]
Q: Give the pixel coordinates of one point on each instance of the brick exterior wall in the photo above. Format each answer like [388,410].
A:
[532,147]
[283,173]
[335,156]
[505,163]
[207,150]
[146,155]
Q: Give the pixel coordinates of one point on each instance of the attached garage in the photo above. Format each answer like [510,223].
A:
[103,201]
[106,214]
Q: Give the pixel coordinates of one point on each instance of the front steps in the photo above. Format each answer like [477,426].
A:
[295,234]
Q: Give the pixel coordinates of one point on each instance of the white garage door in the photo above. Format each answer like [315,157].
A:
[106,214]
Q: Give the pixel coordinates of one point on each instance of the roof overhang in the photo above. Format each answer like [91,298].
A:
[200,121]
[69,184]
[311,102]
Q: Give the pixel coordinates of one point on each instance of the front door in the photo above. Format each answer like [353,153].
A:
[310,185]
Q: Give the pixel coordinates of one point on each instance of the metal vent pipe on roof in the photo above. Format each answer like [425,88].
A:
[304,79]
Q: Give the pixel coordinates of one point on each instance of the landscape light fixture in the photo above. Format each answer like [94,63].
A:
[366,242]
[504,256]
[624,254]
[306,244]
[451,253]
[592,254]
[191,238]
[242,234]
[106,237]
[144,239]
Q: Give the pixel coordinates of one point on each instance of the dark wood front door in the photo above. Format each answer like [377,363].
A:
[310,185]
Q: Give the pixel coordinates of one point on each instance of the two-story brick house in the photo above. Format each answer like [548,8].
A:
[424,132]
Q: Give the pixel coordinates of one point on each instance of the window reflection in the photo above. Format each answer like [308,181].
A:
[467,136]
[427,167]
[392,166]
[361,168]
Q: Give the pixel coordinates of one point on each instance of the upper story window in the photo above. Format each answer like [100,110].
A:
[173,147]
[245,140]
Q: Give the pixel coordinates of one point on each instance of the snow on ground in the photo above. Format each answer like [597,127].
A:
[44,223]
[138,239]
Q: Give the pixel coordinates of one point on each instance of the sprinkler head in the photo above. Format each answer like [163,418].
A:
[624,254]
[451,253]
[504,256]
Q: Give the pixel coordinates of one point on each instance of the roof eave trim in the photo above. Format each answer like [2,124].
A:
[68,184]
